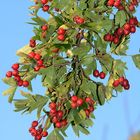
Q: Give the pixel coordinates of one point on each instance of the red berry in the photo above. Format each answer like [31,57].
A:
[17,78]
[34,132]
[15,72]
[54,119]
[61,31]
[44,1]
[121,79]
[34,123]
[80,102]
[46,8]
[31,54]
[127,26]
[64,122]
[125,83]
[110,2]
[52,105]
[116,83]
[127,87]
[9,74]
[73,105]
[96,73]
[44,134]
[87,112]
[120,31]
[58,125]
[15,66]
[79,20]
[40,62]
[88,100]
[44,28]
[61,37]
[74,98]
[32,43]
[131,7]
[20,83]
[116,40]
[126,32]
[133,29]
[107,37]
[31,129]
[37,57]
[38,137]
[117,3]
[25,83]
[91,109]
[36,68]
[102,75]
[60,114]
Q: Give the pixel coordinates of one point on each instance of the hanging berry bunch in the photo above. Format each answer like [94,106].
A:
[73,52]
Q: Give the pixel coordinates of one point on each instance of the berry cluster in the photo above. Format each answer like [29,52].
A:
[129,27]
[61,34]
[16,75]
[32,43]
[57,116]
[132,5]
[116,3]
[44,28]
[96,73]
[45,7]
[77,102]
[39,62]
[37,133]
[123,82]
[78,20]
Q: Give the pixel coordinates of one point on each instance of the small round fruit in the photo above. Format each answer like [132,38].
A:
[34,123]
[116,83]
[58,125]
[31,54]
[127,26]
[37,57]
[96,73]
[20,83]
[74,98]
[73,105]
[44,1]
[107,37]
[15,66]
[60,114]
[61,37]
[40,63]
[46,8]
[9,74]
[116,40]
[44,28]
[52,105]
[44,134]
[133,29]
[61,31]
[80,102]
[102,75]
[25,83]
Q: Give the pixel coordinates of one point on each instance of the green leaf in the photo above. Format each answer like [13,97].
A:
[120,18]
[9,81]
[101,94]
[83,130]
[76,130]
[136,60]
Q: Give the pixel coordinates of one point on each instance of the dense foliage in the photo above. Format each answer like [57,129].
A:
[81,41]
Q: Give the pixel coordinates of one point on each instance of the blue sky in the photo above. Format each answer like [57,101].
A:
[113,120]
